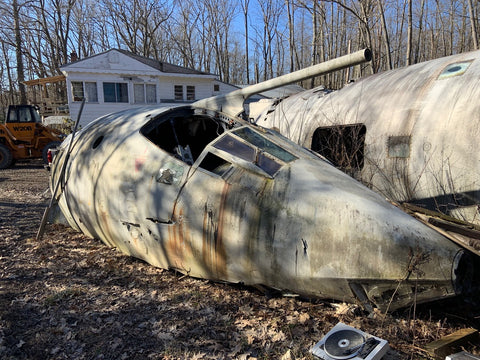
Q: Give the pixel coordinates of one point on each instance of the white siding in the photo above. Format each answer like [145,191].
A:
[203,87]
[93,110]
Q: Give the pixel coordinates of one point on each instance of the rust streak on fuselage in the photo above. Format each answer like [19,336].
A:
[209,230]
[220,254]
[213,251]
[177,245]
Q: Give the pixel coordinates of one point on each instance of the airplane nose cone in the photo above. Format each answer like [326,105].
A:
[349,221]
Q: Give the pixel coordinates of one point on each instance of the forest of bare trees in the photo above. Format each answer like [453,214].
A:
[243,41]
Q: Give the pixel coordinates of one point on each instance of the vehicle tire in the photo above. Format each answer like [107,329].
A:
[6,157]
[50,145]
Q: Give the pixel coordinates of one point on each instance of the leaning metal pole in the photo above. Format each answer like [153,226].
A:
[41,229]
[232,103]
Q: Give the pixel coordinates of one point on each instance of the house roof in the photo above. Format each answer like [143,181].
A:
[155,64]
[161,65]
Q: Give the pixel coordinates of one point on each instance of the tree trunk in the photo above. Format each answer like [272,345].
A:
[419,37]
[245,4]
[314,40]
[291,34]
[385,36]
[473,25]
[409,34]
[11,98]
[19,53]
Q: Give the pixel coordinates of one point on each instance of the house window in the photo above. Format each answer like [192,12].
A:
[178,92]
[115,92]
[151,93]
[145,93]
[190,92]
[91,90]
[139,93]
[85,89]
[77,90]
[216,87]
[343,145]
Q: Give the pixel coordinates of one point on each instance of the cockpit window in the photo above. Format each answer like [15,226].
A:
[236,147]
[267,164]
[260,151]
[183,133]
[264,144]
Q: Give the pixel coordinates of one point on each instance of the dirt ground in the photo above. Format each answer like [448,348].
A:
[71,297]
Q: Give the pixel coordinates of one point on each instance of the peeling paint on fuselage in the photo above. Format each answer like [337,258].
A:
[308,228]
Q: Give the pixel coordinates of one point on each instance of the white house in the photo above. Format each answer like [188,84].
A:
[117,79]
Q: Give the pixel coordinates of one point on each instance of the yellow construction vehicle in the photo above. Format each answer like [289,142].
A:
[23,136]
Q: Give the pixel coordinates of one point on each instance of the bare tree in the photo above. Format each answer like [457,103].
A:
[19,52]
[398,40]
[362,11]
[85,28]
[135,23]
[462,45]
[205,48]
[473,24]
[54,28]
[183,34]
[219,18]
[237,63]
[245,4]
[291,32]
[270,11]
[386,39]
[409,34]
[7,70]
[287,34]
[420,29]
[316,11]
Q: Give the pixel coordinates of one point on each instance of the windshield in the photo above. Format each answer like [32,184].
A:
[264,144]
[260,151]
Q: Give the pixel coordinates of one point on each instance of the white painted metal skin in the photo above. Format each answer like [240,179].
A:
[422,130]
[271,212]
